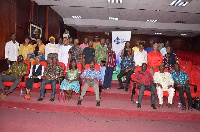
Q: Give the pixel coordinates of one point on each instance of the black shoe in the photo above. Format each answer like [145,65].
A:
[40,99]
[183,107]
[190,108]
[121,88]
[52,99]
[139,105]
[98,104]
[154,106]
[79,102]
[126,89]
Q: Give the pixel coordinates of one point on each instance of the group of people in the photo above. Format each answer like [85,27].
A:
[69,52]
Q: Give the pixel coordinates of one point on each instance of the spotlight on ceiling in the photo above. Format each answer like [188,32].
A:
[76,17]
[113,18]
[115,1]
[158,33]
[179,3]
[152,20]
[183,34]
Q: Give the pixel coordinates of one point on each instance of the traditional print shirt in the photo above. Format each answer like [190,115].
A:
[95,44]
[72,74]
[88,73]
[127,62]
[165,79]
[89,54]
[145,77]
[112,62]
[140,57]
[101,53]
[11,50]
[76,53]
[17,69]
[170,60]
[51,48]
[63,55]
[54,71]
[24,50]
[180,77]
[154,59]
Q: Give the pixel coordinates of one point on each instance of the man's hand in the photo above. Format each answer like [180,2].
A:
[8,62]
[54,78]
[159,85]
[180,85]
[19,77]
[48,77]
[126,70]
[86,79]
[141,83]
[70,81]
[35,77]
[169,86]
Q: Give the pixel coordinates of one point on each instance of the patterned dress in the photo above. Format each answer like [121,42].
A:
[74,85]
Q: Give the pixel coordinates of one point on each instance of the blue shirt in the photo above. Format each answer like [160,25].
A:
[180,77]
[127,62]
[91,74]
[163,51]
[149,49]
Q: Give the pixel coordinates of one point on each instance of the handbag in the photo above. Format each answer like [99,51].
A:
[61,96]
[196,103]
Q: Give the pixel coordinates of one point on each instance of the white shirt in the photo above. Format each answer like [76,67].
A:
[140,57]
[163,51]
[31,70]
[11,50]
[63,55]
[51,48]
[165,79]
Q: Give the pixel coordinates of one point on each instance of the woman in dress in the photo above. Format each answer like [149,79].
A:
[71,81]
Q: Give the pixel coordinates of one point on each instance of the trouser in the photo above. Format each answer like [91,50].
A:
[108,76]
[30,81]
[88,84]
[102,69]
[151,88]
[8,78]
[53,87]
[50,56]
[160,94]
[128,76]
[188,93]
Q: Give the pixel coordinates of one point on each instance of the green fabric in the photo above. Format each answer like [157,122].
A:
[101,53]
[17,69]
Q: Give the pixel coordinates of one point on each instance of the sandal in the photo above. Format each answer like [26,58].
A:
[27,97]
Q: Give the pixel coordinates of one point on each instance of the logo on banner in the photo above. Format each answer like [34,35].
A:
[118,40]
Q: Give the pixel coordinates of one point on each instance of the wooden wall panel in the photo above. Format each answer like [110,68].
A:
[7,23]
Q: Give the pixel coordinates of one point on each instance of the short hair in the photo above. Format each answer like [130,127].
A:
[65,38]
[141,43]
[27,37]
[102,39]
[39,38]
[155,44]
[60,38]
[90,40]
[12,34]
[38,57]
[76,38]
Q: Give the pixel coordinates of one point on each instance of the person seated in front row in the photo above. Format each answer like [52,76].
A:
[144,80]
[181,81]
[53,73]
[164,82]
[127,70]
[13,74]
[35,76]
[71,81]
[90,77]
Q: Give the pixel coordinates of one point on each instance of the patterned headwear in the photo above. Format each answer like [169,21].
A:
[52,37]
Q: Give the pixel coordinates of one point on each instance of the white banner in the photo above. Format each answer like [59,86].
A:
[119,39]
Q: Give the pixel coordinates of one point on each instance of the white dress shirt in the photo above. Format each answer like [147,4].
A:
[63,55]
[51,48]
[11,50]
[31,70]
[140,57]
[165,79]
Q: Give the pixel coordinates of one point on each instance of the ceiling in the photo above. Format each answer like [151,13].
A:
[132,14]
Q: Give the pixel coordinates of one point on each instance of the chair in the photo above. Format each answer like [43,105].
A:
[9,84]
[91,89]
[184,63]
[196,67]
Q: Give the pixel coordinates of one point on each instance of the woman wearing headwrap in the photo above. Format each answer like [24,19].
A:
[170,59]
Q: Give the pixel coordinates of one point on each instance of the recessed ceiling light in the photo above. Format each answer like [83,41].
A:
[114,1]
[158,10]
[76,17]
[158,33]
[179,3]
[152,20]
[180,22]
[113,18]
[183,34]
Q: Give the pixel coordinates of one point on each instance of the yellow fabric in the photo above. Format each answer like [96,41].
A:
[135,48]
[41,48]
[24,50]
[95,44]
[52,37]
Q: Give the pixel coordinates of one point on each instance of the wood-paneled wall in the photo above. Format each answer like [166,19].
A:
[179,43]
[15,17]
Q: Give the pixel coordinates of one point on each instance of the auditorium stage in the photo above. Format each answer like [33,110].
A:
[114,102]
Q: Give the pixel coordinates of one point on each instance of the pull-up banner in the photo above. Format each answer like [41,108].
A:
[119,39]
